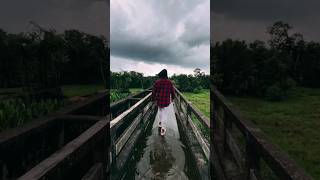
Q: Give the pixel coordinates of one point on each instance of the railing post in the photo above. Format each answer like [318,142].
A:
[180,102]
[252,160]
[141,111]
[214,123]
[188,114]
[113,149]
[62,135]
[226,126]
[100,155]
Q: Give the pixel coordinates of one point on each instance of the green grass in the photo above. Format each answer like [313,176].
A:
[115,95]
[16,112]
[292,124]
[135,90]
[200,100]
[81,90]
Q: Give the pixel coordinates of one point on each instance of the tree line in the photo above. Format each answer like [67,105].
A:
[267,69]
[125,80]
[44,58]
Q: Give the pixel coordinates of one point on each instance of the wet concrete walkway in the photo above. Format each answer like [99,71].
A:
[162,157]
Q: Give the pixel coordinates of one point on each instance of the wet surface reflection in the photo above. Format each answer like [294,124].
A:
[159,157]
[163,158]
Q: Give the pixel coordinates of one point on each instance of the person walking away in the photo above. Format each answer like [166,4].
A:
[163,95]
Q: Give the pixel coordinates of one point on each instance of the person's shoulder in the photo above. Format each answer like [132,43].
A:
[163,81]
[157,82]
[168,80]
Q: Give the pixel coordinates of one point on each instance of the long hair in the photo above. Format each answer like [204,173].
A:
[163,74]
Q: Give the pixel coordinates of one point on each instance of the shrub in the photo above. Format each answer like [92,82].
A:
[15,112]
[274,93]
[287,84]
[197,90]
[117,95]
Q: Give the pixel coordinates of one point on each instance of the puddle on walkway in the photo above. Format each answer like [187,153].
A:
[160,158]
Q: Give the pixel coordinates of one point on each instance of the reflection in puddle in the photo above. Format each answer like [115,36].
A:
[163,158]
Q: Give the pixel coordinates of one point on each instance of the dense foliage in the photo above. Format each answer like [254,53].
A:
[122,81]
[39,61]
[266,69]
[15,112]
[192,83]
[44,58]
[117,95]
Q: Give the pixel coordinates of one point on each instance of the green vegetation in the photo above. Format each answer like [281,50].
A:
[267,69]
[135,90]
[37,62]
[292,124]
[125,80]
[15,112]
[81,90]
[42,58]
[116,95]
[270,81]
[200,100]
[192,82]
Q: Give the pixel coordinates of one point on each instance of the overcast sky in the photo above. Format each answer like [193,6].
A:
[149,35]
[89,16]
[248,19]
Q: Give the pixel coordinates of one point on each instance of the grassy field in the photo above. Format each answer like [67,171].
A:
[200,100]
[292,124]
[15,112]
[80,90]
[135,90]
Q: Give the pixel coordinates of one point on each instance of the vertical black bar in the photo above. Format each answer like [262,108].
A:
[212,118]
[108,169]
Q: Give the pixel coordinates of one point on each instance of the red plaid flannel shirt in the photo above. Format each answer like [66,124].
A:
[162,89]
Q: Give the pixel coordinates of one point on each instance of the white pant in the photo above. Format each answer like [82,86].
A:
[163,112]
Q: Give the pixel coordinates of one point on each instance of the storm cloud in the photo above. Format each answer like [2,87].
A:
[85,15]
[172,33]
[249,19]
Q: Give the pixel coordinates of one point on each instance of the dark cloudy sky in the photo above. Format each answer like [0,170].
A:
[248,19]
[86,15]
[149,35]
